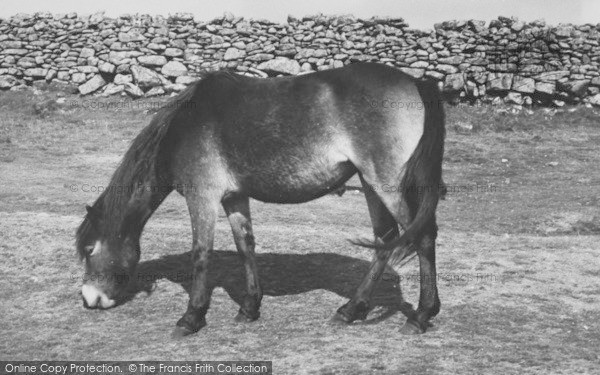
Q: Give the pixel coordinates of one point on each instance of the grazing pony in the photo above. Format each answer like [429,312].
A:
[228,138]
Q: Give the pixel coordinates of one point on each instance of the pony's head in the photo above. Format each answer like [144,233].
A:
[110,257]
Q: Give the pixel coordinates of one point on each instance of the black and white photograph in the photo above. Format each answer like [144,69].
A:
[310,187]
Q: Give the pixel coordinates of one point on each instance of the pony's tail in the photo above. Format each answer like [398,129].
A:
[422,179]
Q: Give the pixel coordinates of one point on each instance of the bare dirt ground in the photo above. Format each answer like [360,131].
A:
[518,254]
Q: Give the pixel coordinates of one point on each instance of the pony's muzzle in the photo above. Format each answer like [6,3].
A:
[94,298]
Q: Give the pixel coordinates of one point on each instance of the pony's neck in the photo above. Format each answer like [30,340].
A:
[130,213]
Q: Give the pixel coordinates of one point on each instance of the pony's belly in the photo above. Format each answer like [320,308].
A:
[297,185]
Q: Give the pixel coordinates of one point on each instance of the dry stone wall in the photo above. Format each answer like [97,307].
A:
[505,60]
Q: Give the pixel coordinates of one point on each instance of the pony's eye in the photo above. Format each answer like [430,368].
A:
[89,250]
[92,249]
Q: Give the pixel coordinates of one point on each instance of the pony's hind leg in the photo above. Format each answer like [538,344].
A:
[203,212]
[388,209]
[237,208]
[429,301]
[385,228]
[404,205]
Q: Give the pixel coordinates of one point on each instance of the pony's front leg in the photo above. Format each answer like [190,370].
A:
[237,208]
[203,213]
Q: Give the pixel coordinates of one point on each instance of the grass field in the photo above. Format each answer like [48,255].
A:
[518,254]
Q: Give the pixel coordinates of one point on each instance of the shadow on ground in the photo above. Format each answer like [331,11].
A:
[280,275]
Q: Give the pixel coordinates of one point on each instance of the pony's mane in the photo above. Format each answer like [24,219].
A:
[140,165]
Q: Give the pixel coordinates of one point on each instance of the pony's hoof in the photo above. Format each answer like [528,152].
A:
[243,318]
[411,328]
[349,313]
[186,326]
[181,332]
[339,319]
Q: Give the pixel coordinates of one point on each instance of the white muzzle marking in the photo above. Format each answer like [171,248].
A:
[96,298]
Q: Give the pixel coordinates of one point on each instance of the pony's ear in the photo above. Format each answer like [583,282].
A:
[93,214]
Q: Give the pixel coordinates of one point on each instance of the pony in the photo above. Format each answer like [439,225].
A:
[228,138]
